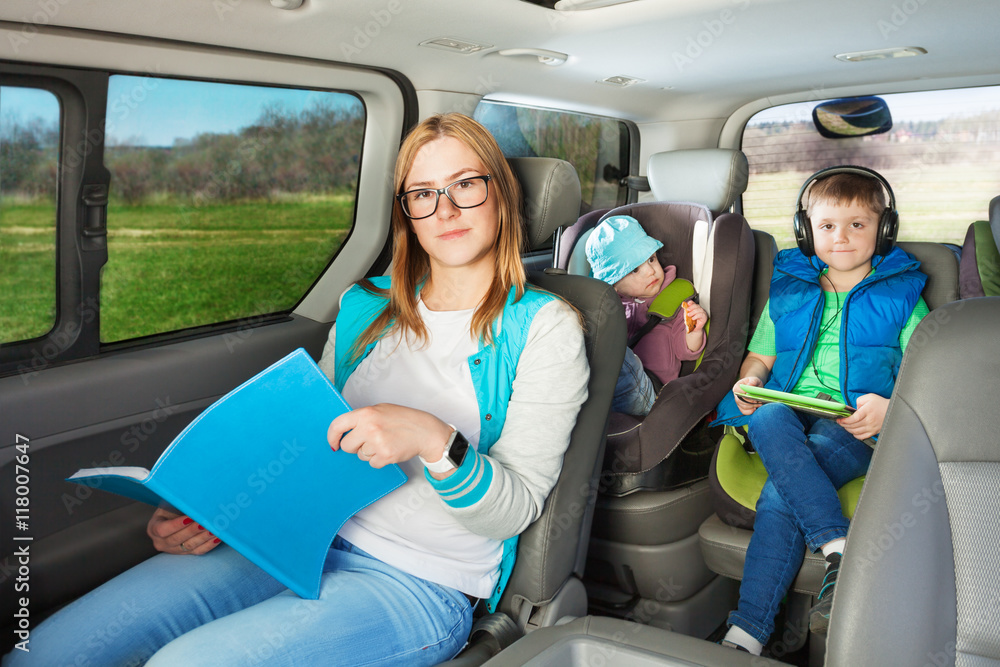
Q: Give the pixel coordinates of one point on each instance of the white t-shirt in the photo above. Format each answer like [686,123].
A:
[410,528]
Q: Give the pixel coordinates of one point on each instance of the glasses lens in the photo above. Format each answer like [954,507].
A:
[419,203]
[468,193]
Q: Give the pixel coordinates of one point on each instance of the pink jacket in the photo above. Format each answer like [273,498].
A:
[662,350]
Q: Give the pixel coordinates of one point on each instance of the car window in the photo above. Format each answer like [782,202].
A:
[29,151]
[226,201]
[599,148]
[940,158]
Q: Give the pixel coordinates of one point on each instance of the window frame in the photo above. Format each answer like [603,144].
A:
[82,93]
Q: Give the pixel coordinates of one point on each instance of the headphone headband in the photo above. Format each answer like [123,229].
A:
[846,169]
[888,223]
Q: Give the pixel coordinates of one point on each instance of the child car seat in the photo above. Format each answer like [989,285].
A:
[715,251]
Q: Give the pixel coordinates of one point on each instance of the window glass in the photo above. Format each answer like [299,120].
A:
[597,147]
[226,201]
[29,152]
[942,158]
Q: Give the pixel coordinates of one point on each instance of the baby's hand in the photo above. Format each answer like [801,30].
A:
[695,317]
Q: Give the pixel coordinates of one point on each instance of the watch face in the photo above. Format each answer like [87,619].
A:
[459,448]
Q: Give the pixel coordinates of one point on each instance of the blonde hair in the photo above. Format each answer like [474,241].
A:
[410,263]
[846,189]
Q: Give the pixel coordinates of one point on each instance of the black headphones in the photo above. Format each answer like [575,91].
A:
[888,223]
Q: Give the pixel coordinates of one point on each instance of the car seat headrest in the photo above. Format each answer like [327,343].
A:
[714,177]
[551,189]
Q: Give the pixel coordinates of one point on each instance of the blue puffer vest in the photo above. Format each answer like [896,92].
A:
[493,369]
[873,316]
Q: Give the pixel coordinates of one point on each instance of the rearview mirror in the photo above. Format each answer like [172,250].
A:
[852,117]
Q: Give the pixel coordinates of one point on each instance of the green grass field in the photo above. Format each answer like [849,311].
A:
[173,266]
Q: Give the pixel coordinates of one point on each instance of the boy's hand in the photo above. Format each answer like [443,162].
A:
[745,404]
[867,420]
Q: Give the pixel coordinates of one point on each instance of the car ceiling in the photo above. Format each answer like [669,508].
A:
[697,58]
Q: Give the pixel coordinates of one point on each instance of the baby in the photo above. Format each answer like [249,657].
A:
[624,256]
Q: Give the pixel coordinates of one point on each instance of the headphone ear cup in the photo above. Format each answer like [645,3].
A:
[888,225]
[803,233]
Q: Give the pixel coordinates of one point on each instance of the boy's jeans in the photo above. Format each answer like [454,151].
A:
[634,393]
[807,458]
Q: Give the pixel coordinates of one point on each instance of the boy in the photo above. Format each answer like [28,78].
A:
[841,310]
[622,255]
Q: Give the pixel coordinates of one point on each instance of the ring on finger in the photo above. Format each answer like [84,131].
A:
[184,548]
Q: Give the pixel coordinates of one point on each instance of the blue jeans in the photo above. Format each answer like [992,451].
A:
[634,393]
[807,459]
[220,609]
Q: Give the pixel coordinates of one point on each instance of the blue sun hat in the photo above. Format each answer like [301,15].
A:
[617,247]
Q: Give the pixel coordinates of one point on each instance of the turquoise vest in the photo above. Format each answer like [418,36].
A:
[493,368]
[873,316]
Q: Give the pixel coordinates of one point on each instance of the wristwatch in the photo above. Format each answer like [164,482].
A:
[454,453]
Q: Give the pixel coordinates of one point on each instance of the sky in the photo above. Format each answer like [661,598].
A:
[150,111]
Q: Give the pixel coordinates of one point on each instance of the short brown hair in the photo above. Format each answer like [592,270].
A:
[847,189]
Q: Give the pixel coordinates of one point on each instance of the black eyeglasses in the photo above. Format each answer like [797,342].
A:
[466,193]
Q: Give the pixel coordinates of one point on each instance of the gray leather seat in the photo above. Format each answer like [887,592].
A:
[545,584]
[920,579]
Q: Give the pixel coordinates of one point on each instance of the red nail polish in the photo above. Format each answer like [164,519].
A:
[188,520]
[217,540]
[200,527]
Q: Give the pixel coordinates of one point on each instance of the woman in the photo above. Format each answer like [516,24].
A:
[452,347]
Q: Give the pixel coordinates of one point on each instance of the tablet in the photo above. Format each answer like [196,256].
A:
[816,406]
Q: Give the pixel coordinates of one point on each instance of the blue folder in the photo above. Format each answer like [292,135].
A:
[256,470]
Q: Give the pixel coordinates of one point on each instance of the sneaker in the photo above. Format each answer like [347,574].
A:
[819,615]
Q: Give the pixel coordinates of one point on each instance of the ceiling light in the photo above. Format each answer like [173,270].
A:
[455,45]
[287,4]
[544,56]
[881,54]
[621,81]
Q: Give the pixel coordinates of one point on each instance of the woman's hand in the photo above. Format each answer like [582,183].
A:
[743,402]
[174,533]
[867,420]
[385,433]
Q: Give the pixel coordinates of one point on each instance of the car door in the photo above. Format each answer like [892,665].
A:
[174,219]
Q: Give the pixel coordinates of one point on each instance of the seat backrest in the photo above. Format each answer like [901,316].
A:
[713,177]
[920,576]
[940,265]
[979,272]
[552,551]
